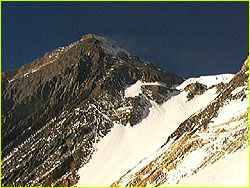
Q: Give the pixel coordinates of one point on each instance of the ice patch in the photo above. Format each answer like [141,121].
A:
[34,70]
[26,75]
[11,80]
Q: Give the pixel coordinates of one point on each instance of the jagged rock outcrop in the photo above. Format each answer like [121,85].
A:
[195,89]
[56,108]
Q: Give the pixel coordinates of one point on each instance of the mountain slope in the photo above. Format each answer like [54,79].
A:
[129,145]
[57,108]
[204,142]
[92,114]
[231,171]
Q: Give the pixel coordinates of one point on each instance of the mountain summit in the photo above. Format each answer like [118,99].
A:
[55,109]
[92,114]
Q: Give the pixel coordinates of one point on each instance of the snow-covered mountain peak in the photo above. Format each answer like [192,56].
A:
[88,36]
[106,45]
[89,114]
[63,104]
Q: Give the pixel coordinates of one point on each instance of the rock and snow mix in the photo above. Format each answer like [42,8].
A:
[207,80]
[85,121]
[127,149]
[135,89]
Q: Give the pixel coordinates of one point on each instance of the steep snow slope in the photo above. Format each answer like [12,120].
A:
[231,171]
[125,147]
[212,143]
[227,127]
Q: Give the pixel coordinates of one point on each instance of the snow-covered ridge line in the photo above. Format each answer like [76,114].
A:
[24,75]
[209,80]
[135,89]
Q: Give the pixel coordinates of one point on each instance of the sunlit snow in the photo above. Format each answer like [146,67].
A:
[208,80]
[232,171]
[124,147]
[127,149]
[135,89]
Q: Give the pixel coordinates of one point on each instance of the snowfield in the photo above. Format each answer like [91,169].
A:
[128,149]
[208,80]
[232,171]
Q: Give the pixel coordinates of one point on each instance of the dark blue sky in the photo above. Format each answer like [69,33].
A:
[188,38]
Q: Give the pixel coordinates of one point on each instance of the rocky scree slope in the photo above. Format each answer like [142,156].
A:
[55,109]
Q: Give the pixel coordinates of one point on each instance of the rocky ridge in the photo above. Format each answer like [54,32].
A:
[55,109]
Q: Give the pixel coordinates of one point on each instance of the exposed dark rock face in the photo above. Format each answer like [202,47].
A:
[57,107]
[195,89]
[159,93]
